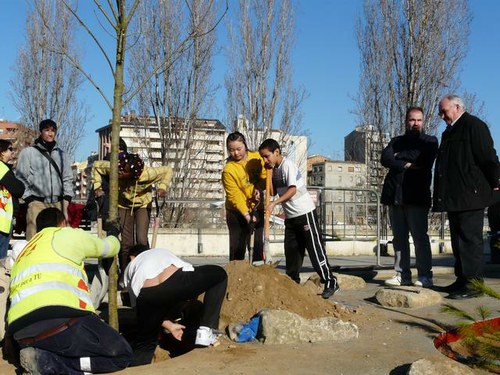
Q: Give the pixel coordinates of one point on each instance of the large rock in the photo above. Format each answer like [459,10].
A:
[285,327]
[346,282]
[443,366]
[407,296]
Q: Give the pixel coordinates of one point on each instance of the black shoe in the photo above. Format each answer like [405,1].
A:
[457,285]
[465,293]
[330,291]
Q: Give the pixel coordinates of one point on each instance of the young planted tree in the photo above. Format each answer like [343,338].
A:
[259,85]
[116,19]
[483,345]
[45,85]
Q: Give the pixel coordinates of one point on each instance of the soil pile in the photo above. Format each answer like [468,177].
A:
[251,289]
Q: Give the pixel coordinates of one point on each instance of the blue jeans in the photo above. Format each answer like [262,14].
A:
[4,243]
[408,219]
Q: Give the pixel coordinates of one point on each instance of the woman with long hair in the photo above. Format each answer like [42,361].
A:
[243,177]
[11,189]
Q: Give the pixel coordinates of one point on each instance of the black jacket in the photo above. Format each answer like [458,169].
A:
[13,185]
[467,167]
[413,185]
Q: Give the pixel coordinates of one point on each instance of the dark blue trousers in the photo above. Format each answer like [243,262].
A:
[89,345]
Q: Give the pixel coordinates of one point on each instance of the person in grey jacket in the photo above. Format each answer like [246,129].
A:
[46,173]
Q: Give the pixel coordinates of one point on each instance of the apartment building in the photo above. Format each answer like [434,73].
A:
[343,185]
[18,134]
[365,144]
[196,156]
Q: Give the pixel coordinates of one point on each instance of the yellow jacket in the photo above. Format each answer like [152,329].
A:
[131,193]
[50,270]
[6,203]
[239,179]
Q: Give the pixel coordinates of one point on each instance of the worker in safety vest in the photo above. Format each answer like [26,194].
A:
[51,315]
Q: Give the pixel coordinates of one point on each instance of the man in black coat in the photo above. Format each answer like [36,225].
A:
[407,192]
[466,181]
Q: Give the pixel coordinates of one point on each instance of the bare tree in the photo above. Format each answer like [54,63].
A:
[45,85]
[260,94]
[177,95]
[411,51]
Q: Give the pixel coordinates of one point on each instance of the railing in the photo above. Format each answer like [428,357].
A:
[359,212]
[189,213]
[347,214]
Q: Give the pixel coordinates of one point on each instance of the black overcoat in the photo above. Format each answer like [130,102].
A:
[467,168]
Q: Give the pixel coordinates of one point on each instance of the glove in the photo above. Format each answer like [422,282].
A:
[112,229]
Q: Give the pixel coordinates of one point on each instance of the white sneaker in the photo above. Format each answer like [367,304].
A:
[424,282]
[396,280]
[205,337]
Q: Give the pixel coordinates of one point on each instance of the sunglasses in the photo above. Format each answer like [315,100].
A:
[10,148]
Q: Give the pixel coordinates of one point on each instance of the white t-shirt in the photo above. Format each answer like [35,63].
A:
[286,175]
[148,265]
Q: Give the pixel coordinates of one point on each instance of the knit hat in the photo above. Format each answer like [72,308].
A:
[130,165]
[44,124]
[122,146]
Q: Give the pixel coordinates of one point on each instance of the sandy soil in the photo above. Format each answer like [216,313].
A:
[389,339]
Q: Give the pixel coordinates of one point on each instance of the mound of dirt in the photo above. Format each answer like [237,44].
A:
[251,289]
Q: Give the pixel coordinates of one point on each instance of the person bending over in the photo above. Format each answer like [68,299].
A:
[157,282]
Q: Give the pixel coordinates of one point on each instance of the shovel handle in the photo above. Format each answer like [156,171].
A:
[156,226]
[267,214]
[269,176]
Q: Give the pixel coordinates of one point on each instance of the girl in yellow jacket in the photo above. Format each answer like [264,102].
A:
[243,178]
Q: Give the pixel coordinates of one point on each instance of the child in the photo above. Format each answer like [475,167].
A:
[243,175]
[301,224]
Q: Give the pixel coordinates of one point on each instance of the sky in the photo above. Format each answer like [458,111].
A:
[325,62]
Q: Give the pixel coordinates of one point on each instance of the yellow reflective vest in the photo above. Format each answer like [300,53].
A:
[6,204]
[50,270]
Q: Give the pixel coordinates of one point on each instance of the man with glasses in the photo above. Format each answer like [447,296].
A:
[466,180]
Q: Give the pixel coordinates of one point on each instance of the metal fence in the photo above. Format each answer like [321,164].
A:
[347,214]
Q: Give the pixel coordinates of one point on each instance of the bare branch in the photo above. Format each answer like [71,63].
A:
[260,92]
[92,35]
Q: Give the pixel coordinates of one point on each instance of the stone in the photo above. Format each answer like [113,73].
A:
[442,366]
[346,282]
[350,282]
[285,327]
[407,296]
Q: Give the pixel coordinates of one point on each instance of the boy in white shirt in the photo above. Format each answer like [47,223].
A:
[301,223]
